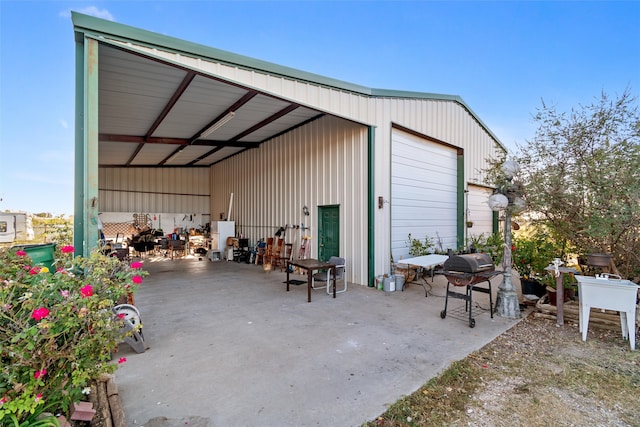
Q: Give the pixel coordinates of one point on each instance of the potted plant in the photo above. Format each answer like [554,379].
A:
[492,244]
[570,286]
[419,247]
[530,256]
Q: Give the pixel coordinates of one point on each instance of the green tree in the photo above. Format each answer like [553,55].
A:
[582,177]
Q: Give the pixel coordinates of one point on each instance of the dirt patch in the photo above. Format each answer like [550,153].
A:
[534,374]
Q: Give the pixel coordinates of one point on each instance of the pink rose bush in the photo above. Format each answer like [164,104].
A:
[57,329]
[40,313]
[86,291]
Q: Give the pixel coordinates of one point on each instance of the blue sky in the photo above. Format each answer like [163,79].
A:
[502,58]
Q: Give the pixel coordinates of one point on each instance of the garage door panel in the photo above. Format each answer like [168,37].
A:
[423,209]
[425,169]
[416,187]
[414,194]
[423,192]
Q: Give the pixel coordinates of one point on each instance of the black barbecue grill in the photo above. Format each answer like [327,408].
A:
[468,270]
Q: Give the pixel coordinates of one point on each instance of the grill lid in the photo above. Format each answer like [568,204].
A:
[469,263]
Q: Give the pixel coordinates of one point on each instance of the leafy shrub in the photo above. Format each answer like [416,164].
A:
[493,244]
[532,254]
[419,247]
[57,329]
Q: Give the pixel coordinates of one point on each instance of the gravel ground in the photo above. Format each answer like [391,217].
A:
[540,374]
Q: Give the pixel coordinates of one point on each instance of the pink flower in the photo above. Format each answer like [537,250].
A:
[38,397]
[136,279]
[136,264]
[122,360]
[121,315]
[38,374]
[64,293]
[34,270]
[21,253]
[40,313]
[61,270]
[86,291]
[3,400]
[67,249]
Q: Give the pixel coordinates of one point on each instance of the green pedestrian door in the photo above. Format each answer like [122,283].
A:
[328,232]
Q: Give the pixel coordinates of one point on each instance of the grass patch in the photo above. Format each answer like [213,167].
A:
[436,403]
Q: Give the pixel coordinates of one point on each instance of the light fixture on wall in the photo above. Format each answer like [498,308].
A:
[217,125]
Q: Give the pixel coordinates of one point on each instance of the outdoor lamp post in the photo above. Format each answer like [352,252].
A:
[507,198]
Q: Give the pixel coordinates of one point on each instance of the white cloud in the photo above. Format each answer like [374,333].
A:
[98,13]
[92,11]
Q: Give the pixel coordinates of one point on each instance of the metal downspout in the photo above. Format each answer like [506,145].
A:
[460,222]
[371,247]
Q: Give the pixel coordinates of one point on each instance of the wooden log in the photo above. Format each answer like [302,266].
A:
[574,308]
[115,404]
[607,327]
[103,404]
[596,313]
[112,387]
[607,320]
[593,317]
[117,413]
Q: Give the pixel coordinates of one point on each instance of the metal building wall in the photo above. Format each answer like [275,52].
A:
[441,117]
[321,163]
[450,123]
[444,120]
[171,190]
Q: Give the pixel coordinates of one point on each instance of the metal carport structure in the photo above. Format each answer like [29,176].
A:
[146,101]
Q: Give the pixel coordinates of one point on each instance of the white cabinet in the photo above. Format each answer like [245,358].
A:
[220,231]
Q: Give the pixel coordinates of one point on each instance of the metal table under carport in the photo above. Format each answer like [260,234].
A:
[424,263]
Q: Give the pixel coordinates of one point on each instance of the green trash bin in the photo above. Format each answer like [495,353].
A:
[41,254]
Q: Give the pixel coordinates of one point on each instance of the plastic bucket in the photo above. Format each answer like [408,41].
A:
[41,254]
[389,284]
[399,278]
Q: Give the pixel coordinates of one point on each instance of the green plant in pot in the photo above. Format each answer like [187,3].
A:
[492,244]
[570,286]
[419,247]
[531,254]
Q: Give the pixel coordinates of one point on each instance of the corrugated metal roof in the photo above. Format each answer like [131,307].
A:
[153,108]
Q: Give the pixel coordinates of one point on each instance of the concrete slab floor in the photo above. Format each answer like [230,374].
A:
[229,346]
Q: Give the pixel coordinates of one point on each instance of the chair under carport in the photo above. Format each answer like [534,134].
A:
[325,276]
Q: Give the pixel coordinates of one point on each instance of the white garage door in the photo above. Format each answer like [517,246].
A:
[423,193]
[478,211]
